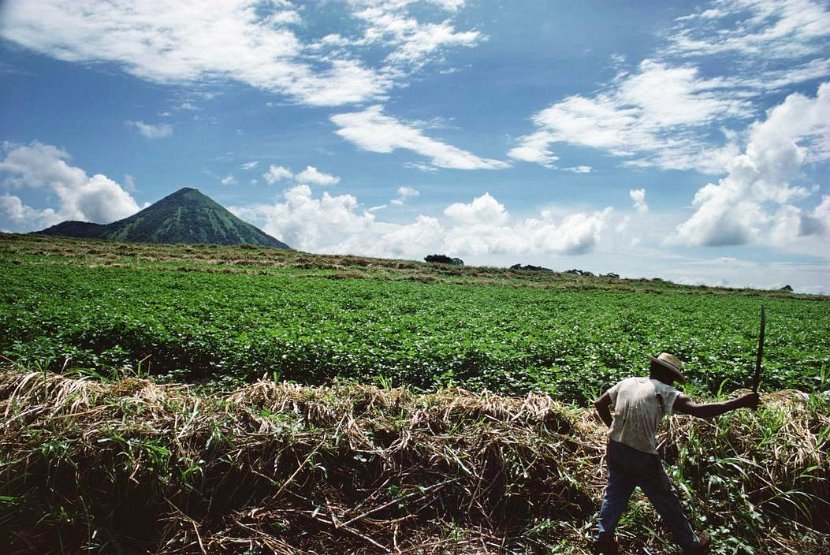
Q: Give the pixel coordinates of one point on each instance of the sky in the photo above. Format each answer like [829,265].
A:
[688,141]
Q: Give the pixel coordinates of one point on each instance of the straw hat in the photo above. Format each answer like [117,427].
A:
[672,363]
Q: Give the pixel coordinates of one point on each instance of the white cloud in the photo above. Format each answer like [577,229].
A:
[754,202]
[535,148]
[151,131]
[412,42]
[247,166]
[420,166]
[404,194]
[628,119]
[324,224]
[579,169]
[484,210]
[768,28]
[715,70]
[309,176]
[39,166]
[337,224]
[374,131]
[228,180]
[23,217]
[312,176]
[175,41]
[277,173]
[638,196]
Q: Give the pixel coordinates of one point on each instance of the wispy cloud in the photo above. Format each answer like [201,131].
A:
[375,131]
[679,108]
[412,42]
[174,41]
[754,28]
[579,169]
[628,120]
[152,131]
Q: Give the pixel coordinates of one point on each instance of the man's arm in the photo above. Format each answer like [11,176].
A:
[603,406]
[709,410]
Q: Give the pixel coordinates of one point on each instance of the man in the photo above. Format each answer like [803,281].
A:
[639,405]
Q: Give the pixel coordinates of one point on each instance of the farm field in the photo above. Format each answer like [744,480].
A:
[233,315]
[227,400]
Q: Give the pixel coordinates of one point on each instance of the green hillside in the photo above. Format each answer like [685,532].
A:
[187,216]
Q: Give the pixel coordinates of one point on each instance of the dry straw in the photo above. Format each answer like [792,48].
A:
[135,466]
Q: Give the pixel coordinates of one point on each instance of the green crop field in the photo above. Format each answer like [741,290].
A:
[502,331]
[202,399]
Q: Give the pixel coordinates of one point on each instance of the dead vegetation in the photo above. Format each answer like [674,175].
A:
[134,466]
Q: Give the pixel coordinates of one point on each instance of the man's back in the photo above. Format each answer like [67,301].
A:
[639,406]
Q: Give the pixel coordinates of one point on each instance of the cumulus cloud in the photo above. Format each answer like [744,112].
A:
[323,224]
[754,203]
[39,166]
[228,180]
[638,196]
[152,131]
[247,166]
[309,176]
[374,131]
[313,176]
[337,224]
[484,210]
[277,173]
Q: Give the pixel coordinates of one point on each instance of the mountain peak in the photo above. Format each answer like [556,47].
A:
[186,191]
[185,216]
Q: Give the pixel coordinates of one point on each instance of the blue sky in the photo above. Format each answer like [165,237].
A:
[683,140]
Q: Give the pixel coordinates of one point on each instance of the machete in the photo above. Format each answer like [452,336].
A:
[756,380]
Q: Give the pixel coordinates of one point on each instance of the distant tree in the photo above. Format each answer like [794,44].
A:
[443,259]
[579,272]
[530,267]
[611,275]
[786,288]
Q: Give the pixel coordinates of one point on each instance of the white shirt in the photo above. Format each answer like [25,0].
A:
[639,405]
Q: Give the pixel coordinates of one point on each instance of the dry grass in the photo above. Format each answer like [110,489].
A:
[278,468]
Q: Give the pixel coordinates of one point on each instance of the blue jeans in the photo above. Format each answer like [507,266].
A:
[629,468]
